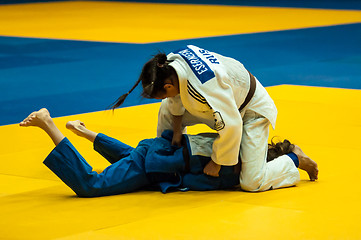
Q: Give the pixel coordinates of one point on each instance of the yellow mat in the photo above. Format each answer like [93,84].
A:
[35,204]
[150,22]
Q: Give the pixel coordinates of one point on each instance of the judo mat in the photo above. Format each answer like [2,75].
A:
[76,57]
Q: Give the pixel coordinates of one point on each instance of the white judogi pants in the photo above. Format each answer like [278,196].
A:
[256,174]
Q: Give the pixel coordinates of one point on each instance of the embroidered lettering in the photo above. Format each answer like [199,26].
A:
[209,56]
[202,71]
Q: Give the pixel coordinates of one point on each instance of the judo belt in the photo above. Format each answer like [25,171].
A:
[252,89]
[186,155]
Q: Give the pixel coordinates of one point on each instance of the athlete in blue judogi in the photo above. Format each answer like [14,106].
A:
[153,163]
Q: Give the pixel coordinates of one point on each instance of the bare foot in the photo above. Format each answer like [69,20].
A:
[40,119]
[77,127]
[306,163]
[43,120]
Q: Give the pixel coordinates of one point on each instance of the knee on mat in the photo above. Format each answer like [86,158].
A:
[249,187]
[87,193]
[251,184]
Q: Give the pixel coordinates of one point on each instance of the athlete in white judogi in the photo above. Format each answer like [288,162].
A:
[199,86]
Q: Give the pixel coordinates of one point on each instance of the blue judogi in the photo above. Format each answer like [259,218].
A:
[154,162]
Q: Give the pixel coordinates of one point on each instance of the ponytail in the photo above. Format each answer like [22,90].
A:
[153,74]
[121,99]
[160,59]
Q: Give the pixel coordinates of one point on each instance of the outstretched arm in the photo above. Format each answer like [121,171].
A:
[177,130]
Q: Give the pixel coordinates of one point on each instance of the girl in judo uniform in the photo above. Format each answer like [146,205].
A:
[199,86]
[153,163]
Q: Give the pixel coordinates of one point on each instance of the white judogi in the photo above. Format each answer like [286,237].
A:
[212,88]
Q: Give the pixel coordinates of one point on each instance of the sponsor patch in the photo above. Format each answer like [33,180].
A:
[218,121]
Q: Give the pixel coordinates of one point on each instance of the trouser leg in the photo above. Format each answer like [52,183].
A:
[110,148]
[256,173]
[121,177]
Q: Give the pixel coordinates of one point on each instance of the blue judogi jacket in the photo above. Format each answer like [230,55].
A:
[163,157]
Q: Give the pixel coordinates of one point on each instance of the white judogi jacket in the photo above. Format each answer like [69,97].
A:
[213,87]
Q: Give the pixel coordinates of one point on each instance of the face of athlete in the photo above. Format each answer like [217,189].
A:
[171,88]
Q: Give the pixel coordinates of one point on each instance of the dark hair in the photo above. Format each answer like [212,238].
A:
[278,149]
[153,75]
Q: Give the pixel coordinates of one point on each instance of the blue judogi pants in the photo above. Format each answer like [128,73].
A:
[154,162]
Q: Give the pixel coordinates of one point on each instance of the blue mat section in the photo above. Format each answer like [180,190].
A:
[29,1]
[324,4]
[71,77]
